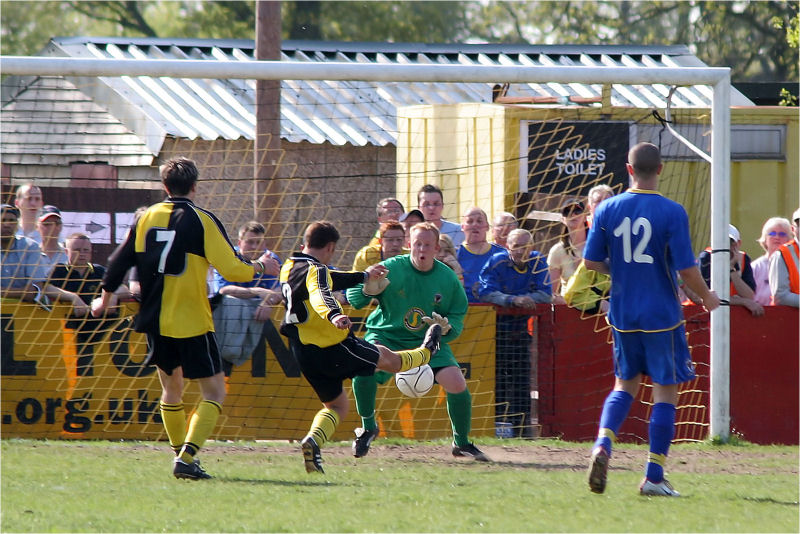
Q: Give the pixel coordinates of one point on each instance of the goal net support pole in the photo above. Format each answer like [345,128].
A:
[716,77]
[720,413]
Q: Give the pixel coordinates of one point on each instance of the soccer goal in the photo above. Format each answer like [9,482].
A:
[106,132]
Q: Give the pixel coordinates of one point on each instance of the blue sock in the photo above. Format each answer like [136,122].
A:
[615,410]
[662,429]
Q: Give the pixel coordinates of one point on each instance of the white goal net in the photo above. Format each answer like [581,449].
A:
[524,157]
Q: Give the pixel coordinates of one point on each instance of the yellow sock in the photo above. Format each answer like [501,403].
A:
[658,459]
[607,433]
[174,419]
[413,358]
[201,425]
[324,425]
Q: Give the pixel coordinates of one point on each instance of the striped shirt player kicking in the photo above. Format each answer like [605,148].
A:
[641,239]
[172,245]
[320,337]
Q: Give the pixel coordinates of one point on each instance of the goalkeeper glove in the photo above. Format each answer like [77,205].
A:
[438,319]
[375,287]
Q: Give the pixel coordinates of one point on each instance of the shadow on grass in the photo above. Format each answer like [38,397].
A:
[516,464]
[770,500]
[540,466]
[288,483]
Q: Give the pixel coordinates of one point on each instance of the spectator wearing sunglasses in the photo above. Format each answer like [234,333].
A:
[566,254]
[775,232]
[784,270]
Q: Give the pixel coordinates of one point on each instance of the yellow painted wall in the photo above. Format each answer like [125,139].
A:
[472,151]
[761,189]
[460,148]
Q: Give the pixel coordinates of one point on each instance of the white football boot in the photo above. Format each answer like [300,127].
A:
[661,489]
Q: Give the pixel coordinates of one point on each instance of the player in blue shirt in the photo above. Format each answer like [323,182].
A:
[641,239]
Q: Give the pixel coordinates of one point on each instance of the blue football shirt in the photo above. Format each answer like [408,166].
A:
[500,275]
[472,265]
[645,237]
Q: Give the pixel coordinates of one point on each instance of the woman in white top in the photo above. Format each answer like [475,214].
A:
[567,253]
[775,232]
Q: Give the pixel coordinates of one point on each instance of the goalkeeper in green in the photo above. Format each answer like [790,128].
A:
[419,288]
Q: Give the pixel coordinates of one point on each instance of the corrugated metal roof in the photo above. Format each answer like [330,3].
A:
[352,112]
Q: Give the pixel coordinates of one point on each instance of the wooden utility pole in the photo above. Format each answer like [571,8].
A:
[267,144]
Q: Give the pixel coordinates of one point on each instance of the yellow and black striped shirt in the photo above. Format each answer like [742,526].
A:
[307,286]
[171,247]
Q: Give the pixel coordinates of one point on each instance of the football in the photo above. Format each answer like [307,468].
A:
[415,382]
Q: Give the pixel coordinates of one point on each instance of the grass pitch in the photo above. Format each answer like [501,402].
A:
[401,486]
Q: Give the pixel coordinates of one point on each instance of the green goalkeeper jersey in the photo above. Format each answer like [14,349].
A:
[410,295]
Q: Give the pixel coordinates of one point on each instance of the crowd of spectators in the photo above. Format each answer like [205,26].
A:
[507,271]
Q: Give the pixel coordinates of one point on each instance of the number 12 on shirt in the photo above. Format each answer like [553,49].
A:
[626,231]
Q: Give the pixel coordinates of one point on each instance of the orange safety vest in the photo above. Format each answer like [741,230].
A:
[791,266]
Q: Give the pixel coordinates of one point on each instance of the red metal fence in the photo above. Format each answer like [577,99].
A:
[575,374]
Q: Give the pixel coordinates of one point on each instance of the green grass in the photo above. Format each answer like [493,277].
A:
[59,486]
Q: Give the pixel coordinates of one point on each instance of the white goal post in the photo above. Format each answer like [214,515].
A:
[716,77]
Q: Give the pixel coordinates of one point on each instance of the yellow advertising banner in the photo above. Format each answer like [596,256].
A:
[57,385]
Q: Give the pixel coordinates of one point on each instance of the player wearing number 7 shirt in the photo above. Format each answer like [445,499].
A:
[171,246]
[641,239]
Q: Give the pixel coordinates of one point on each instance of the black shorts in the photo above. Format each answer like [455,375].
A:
[326,368]
[198,356]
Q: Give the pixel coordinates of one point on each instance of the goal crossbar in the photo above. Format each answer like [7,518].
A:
[293,70]
[716,77]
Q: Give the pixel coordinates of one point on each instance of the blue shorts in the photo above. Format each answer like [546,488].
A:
[663,356]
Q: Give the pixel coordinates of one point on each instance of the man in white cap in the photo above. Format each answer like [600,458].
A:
[743,282]
[49,226]
[784,275]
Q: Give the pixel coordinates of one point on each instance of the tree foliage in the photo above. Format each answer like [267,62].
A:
[427,22]
[26,27]
[125,13]
[748,36]
[740,35]
[746,39]
[375,21]
[216,19]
